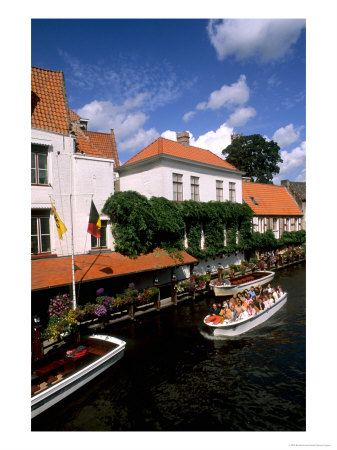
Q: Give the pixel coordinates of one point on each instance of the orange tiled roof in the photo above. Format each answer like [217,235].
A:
[83,145]
[272,200]
[52,272]
[48,101]
[173,148]
[93,143]
[74,117]
[105,142]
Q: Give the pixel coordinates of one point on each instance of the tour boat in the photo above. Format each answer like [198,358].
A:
[241,282]
[229,328]
[67,369]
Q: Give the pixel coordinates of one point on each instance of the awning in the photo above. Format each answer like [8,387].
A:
[53,272]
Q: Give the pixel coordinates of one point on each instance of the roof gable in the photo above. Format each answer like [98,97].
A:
[49,106]
[269,200]
[176,149]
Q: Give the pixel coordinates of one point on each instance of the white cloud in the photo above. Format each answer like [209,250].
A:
[241,116]
[105,115]
[265,39]
[188,116]
[169,134]
[286,135]
[139,140]
[227,96]
[215,141]
[293,166]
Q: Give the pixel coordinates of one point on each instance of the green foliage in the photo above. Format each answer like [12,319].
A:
[168,229]
[141,225]
[133,222]
[255,156]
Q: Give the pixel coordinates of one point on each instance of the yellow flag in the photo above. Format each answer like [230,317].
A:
[61,228]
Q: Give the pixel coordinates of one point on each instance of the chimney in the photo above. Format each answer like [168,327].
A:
[184,138]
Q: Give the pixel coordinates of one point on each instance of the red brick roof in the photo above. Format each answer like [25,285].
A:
[48,101]
[93,143]
[173,148]
[272,200]
[53,272]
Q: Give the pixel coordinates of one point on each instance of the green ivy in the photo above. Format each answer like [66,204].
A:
[139,225]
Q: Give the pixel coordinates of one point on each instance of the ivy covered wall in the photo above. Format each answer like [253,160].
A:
[140,225]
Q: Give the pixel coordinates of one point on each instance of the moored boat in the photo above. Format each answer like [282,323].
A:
[240,326]
[241,282]
[58,375]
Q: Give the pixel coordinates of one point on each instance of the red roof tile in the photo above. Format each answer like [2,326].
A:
[52,272]
[48,101]
[173,148]
[272,200]
[104,142]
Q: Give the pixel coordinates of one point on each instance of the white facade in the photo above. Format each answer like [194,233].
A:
[154,177]
[277,224]
[73,181]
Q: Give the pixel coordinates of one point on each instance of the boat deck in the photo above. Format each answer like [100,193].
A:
[56,366]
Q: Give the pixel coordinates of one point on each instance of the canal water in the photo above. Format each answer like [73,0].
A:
[175,376]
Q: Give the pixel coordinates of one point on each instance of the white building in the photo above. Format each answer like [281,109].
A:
[178,171]
[70,167]
[273,208]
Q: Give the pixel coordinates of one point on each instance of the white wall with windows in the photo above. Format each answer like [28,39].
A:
[277,224]
[176,179]
[70,181]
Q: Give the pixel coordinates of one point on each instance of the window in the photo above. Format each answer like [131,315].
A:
[281,225]
[299,223]
[177,187]
[292,224]
[255,224]
[232,192]
[195,189]
[40,232]
[100,242]
[39,169]
[219,190]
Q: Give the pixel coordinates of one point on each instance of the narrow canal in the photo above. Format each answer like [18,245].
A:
[176,377]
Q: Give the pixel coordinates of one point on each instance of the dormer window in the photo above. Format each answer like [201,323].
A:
[254,201]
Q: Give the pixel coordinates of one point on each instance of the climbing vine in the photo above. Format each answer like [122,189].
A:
[139,225]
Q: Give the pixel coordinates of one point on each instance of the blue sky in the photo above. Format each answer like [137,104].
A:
[147,78]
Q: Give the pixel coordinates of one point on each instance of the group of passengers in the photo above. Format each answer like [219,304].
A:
[244,304]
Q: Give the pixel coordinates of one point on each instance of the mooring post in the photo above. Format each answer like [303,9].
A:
[131,311]
[157,298]
[174,296]
[37,340]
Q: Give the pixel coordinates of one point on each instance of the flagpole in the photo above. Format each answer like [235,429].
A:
[72,254]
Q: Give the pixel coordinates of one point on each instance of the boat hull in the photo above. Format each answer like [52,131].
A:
[49,397]
[240,327]
[224,290]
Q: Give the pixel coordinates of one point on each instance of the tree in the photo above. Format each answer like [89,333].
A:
[255,156]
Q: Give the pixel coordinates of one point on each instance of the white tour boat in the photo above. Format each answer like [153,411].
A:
[241,282]
[229,328]
[60,374]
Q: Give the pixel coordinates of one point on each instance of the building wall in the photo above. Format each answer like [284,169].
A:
[156,179]
[85,177]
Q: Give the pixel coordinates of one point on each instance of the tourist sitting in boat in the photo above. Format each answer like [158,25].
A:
[244,314]
[267,301]
[227,313]
[269,288]
[279,291]
[234,313]
[251,310]
[238,307]
[252,291]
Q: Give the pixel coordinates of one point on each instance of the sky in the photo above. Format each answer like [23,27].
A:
[147,78]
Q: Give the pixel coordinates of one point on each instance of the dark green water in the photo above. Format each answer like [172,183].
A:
[176,377]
